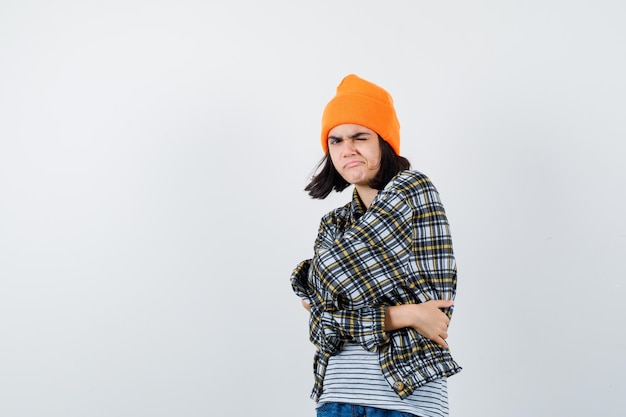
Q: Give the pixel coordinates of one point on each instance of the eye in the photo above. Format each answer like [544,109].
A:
[333,140]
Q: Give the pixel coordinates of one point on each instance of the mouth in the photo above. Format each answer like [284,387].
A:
[352,164]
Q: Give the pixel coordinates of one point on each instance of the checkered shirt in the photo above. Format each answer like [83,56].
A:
[398,251]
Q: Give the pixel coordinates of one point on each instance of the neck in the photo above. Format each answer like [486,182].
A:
[366,194]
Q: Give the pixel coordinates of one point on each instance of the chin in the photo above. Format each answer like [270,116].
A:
[356,178]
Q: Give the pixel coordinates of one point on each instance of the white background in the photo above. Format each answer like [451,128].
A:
[152,161]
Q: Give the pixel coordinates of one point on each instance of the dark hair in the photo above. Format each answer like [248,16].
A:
[328,179]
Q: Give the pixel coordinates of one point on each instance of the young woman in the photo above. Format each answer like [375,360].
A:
[382,280]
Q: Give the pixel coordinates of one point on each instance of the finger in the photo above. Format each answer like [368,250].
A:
[444,303]
[441,342]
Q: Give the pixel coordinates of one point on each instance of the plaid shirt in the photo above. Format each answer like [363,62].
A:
[399,251]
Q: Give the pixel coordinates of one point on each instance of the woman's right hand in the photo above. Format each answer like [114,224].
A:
[426,318]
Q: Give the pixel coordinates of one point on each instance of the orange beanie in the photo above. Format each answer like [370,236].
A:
[363,103]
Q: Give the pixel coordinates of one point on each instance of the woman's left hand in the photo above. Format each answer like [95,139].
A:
[426,318]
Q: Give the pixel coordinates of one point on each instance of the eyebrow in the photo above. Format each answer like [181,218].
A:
[354,136]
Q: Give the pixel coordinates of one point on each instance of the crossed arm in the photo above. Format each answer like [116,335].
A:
[426,318]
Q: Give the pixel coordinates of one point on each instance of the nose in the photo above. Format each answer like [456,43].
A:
[349,147]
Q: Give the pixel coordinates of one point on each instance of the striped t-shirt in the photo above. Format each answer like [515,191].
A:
[354,376]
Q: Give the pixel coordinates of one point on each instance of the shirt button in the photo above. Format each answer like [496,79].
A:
[398,385]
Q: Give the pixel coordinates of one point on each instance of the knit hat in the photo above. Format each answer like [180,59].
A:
[363,103]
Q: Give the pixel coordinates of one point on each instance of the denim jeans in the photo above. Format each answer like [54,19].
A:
[351,410]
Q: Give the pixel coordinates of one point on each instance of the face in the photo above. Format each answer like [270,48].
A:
[355,152]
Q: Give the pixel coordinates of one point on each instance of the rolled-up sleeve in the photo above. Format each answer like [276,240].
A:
[299,278]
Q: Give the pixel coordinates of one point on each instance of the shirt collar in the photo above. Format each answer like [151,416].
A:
[357,208]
